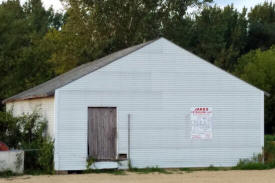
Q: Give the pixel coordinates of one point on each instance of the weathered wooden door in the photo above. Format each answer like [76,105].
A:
[102,133]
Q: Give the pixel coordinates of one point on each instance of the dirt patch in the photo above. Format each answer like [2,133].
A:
[262,176]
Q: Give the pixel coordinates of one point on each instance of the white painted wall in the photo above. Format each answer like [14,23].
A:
[12,161]
[45,106]
[158,85]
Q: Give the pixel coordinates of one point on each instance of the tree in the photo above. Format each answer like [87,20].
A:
[219,35]
[23,58]
[97,28]
[258,68]
[261,26]
[13,37]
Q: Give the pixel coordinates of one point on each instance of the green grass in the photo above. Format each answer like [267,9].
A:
[37,172]
[114,172]
[210,168]
[256,163]
[149,170]
[253,165]
[188,170]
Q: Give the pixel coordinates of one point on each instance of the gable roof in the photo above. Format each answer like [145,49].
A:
[48,88]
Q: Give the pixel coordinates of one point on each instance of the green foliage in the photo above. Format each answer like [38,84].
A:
[149,170]
[38,44]
[257,162]
[97,28]
[269,150]
[114,172]
[90,161]
[23,60]
[258,68]
[13,36]
[7,174]
[219,35]
[28,132]
[9,127]
[25,131]
[188,170]
[247,164]
[261,26]
[46,156]
[269,138]
[210,168]
[251,165]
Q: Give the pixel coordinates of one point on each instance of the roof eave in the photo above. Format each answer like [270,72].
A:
[8,100]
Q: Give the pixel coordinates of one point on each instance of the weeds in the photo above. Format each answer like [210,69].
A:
[7,174]
[149,170]
[249,165]
[260,162]
[269,149]
[90,160]
[114,172]
[210,168]
[188,170]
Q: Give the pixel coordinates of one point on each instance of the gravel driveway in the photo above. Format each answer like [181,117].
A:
[263,176]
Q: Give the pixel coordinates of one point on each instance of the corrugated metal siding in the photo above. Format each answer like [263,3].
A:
[158,85]
[45,106]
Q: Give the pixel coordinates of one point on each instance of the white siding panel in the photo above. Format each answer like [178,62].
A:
[158,85]
[45,106]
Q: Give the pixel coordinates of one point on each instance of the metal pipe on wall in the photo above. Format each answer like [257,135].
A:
[129,136]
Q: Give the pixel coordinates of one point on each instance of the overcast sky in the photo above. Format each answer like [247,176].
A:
[237,3]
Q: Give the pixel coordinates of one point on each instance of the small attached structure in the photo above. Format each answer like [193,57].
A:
[155,104]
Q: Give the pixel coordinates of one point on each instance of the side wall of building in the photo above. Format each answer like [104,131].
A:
[45,106]
[158,85]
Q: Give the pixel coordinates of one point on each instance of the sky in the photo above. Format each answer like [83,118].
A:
[239,4]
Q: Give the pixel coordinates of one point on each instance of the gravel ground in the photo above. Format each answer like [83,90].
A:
[262,176]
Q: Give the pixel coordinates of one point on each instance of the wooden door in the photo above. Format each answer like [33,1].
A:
[102,133]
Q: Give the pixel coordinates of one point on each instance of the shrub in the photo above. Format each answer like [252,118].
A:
[9,129]
[260,162]
[28,132]
[269,149]
[45,156]
[247,164]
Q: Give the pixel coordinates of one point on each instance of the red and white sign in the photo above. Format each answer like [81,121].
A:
[201,119]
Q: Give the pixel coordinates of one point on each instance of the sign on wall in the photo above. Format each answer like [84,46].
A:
[201,118]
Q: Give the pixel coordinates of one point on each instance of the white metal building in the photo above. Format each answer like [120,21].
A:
[155,104]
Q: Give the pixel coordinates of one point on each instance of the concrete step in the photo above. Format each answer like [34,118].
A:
[105,165]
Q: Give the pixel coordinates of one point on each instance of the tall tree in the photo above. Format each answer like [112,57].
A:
[258,67]
[261,26]
[13,37]
[219,35]
[23,63]
[95,28]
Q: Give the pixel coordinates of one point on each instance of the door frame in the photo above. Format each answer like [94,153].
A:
[116,138]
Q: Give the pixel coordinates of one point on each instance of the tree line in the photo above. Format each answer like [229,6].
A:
[37,44]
